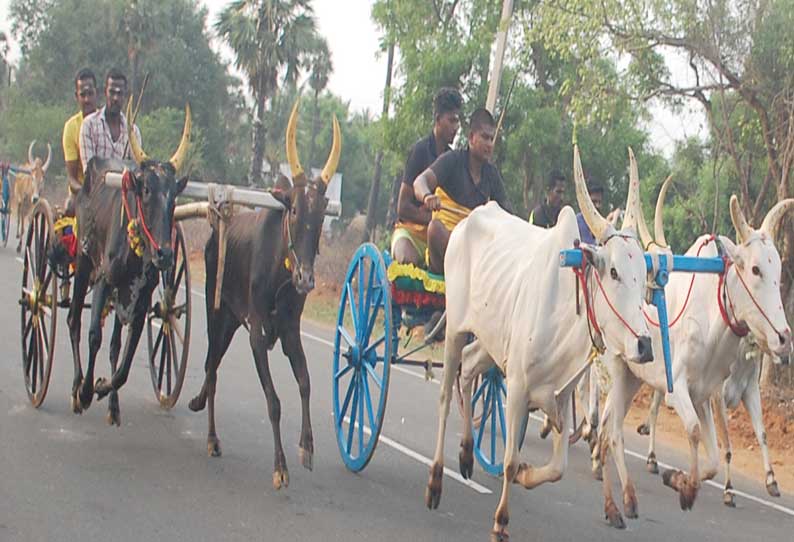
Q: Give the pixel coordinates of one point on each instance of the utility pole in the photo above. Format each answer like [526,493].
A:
[501,45]
[372,203]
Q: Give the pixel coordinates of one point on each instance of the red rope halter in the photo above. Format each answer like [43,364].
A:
[127,183]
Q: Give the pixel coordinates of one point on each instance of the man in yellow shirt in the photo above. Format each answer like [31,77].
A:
[85,94]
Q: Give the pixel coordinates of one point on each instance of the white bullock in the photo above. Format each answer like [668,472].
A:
[27,187]
[505,286]
[702,342]
[741,386]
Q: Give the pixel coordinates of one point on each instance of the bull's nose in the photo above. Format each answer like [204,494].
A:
[35,199]
[784,337]
[644,349]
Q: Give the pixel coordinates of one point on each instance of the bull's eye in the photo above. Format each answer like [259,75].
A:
[614,273]
[756,271]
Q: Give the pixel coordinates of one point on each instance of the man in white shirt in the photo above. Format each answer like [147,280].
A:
[104,132]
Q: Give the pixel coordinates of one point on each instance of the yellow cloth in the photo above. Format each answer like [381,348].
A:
[451,213]
[430,284]
[415,233]
[71,141]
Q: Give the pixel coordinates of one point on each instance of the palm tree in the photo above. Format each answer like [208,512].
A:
[269,38]
[320,68]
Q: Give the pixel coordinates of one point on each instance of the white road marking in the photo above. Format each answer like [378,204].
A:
[632,453]
[426,461]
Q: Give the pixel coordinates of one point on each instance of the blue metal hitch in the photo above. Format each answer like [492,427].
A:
[659,265]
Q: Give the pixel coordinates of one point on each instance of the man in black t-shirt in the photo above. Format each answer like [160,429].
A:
[409,239]
[458,182]
[546,213]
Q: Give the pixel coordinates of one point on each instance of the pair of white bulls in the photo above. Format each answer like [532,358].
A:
[505,286]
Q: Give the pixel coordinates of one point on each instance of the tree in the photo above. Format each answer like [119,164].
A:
[269,38]
[320,68]
[740,56]
[169,42]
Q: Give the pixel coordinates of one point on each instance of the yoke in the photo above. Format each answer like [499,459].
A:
[660,266]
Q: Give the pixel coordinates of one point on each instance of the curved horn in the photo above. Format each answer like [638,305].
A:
[634,216]
[772,219]
[658,220]
[333,157]
[597,223]
[47,161]
[178,159]
[743,229]
[137,152]
[298,176]
[30,152]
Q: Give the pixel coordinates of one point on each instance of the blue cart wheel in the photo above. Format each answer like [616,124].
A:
[488,403]
[362,356]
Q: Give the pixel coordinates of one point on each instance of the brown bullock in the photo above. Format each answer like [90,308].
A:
[269,270]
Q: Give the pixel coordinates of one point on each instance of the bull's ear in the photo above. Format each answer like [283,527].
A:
[283,196]
[733,252]
[593,257]
[181,184]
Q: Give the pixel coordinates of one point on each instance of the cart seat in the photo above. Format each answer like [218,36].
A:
[412,286]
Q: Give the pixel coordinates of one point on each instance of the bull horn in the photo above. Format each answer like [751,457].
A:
[634,216]
[333,157]
[775,215]
[30,152]
[178,159]
[658,220]
[298,176]
[137,152]
[597,223]
[47,161]
[743,229]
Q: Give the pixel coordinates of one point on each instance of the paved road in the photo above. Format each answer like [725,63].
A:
[68,477]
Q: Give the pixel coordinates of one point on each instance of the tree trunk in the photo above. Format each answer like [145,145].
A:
[258,154]
[373,190]
[315,128]
[391,214]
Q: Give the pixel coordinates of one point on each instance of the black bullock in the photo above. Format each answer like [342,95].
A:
[124,238]
[269,270]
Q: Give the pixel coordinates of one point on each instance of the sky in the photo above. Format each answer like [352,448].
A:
[360,69]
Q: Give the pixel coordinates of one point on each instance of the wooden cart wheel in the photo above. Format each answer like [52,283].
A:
[364,346]
[38,302]
[168,326]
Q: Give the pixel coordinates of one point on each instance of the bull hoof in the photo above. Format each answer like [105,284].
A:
[102,388]
[630,505]
[86,395]
[651,464]
[728,499]
[433,491]
[306,458]
[597,471]
[213,446]
[671,478]
[280,479]
[644,429]
[77,408]
[612,515]
[466,459]
[113,417]
[198,403]
[772,489]
[545,428]
[500,535]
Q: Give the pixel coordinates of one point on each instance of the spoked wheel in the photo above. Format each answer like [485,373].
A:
[363,350]
[488,404]
[168,326]
[38,304]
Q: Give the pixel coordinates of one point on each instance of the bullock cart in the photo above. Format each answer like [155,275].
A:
[379,297]
[48,269]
